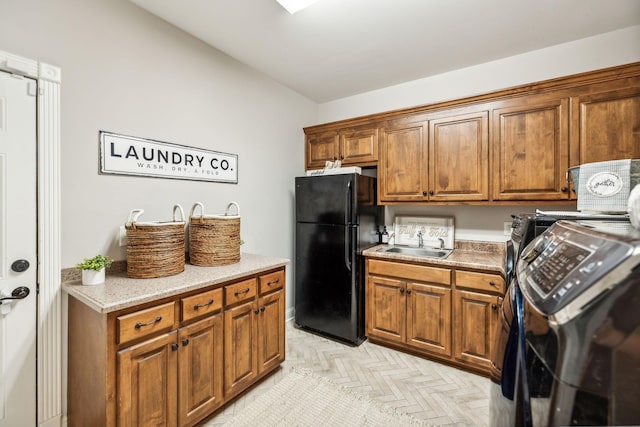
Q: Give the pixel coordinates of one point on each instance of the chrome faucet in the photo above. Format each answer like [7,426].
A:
[441,243]
[420,240]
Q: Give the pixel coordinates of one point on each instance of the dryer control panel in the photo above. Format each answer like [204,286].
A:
[565,262]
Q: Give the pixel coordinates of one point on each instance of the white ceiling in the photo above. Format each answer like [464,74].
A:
[338,48]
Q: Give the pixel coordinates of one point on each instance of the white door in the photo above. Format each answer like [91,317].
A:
[18,262]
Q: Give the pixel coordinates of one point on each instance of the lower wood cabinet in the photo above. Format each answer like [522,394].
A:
[407,312]
[474,325]
[447,314]
[175,361]
[200,371]
[147,380]
[254,341]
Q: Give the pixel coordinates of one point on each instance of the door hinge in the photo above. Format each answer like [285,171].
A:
[32,88]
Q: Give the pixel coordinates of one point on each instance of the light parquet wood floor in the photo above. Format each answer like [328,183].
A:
[437,393]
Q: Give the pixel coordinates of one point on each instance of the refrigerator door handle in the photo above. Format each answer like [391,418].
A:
[347,205]
[347,247]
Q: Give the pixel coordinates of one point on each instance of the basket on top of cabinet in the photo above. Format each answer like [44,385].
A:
[214,239]
[155,249]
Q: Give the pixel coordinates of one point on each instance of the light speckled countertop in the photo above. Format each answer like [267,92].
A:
[487,256]
[120,292]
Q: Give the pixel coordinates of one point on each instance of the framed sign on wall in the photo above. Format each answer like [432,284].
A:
[130,155]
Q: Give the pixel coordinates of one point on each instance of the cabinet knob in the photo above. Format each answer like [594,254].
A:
[494,284]
[174,347]
[256,311]
[402,290]
[408,291]
[185,342]
[431,192]
[341,157]
[564,189]
[424,193]
[494,307]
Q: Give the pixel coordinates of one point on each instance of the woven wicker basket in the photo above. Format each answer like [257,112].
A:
[155,249]
[214,239]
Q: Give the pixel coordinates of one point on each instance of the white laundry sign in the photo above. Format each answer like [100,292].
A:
[129,155]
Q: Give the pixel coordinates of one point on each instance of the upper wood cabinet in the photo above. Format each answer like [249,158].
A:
[443,157]
[605,126]
[402,170]
[320,148]
[530,142]
[353,146]
[506,147]
[459,157]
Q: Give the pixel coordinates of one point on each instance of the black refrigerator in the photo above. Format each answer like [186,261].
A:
[336,219]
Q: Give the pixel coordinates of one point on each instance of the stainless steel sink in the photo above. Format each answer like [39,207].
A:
[425,252]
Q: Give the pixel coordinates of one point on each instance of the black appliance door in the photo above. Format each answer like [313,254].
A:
[327,290]
[326,199]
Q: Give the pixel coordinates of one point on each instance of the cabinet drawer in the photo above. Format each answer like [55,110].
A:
[271,282]
[421,273]
[145,322]
[241,291]
[203,303]
[480,281]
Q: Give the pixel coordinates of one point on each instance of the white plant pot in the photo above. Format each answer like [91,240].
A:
[92,277]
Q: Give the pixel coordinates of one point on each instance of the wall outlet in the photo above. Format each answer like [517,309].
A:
[122,236]
[507,228]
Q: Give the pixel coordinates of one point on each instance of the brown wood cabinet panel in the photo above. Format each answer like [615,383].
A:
[320,148]
[271,282]
[240,341]
[475,320]
[241,291]
[459,157]
[271,335]
[422,273]
[606,126]
[147,383]
[480,281]
[428,314]
[386,309]
[201,304]
[144,323]
[200,369]
[530,145]
[402,170]
[359,146]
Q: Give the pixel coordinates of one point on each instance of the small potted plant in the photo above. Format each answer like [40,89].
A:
[93,269]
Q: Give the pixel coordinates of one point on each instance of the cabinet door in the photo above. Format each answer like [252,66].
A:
[200,369]
[385,309]
[320,148]
[240,341]
[271,336]
[147,383]
[459,157]
[605,126]
[428,318]
[475,320]
[359,146]
[403,163]
[530,149]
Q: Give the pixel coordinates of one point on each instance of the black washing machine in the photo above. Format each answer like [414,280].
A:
[569,340]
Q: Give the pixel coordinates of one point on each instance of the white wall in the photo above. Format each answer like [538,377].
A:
[125,71]
[486,223]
